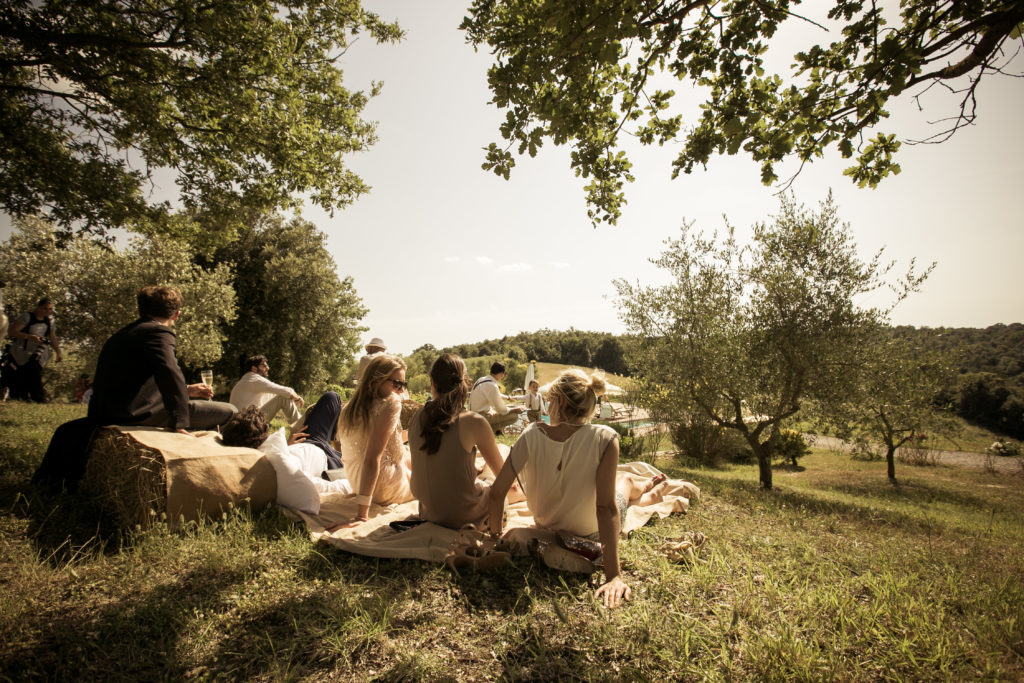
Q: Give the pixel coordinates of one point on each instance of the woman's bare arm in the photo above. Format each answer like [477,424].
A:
[380,432]
[614,590]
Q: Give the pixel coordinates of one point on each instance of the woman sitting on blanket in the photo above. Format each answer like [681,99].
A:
[375,460]
[443,441]
[568,471]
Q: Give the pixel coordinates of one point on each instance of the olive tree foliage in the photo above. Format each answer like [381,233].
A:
[292,305]
[94,286]
[895,404]
[241,100]
[587,72]
[745,335]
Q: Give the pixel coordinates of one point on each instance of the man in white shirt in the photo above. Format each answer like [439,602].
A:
[374,348]
[255,389]
[485,398]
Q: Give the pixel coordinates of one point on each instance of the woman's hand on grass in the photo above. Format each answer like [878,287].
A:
[614,592]
[346,525]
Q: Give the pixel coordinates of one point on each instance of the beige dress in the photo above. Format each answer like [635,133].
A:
[445,482]
[560,478]
[393,477]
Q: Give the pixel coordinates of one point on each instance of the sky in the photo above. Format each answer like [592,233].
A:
[442,252]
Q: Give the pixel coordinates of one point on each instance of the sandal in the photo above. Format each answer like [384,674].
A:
[473,549]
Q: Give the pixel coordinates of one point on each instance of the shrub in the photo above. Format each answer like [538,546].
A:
[633,446]
[1002,447]
[699,439]
[789,445]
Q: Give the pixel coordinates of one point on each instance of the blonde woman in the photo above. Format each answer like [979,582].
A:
[375,460]
[568,470]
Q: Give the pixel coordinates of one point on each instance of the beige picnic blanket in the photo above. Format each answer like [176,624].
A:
[202,476]
[431,542]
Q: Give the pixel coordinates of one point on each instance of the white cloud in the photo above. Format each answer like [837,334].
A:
[484,260]
[558,264]
[514,268]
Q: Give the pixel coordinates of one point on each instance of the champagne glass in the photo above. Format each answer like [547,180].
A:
[207,376]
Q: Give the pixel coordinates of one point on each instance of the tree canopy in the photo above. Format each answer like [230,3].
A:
[292,305]
[243,99]
[94,286]
[585,72]
[745,335]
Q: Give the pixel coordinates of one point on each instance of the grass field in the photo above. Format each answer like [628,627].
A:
[833,575]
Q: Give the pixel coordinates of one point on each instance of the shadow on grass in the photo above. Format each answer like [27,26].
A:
[135,638]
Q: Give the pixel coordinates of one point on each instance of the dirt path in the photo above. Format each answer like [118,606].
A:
[1005,464]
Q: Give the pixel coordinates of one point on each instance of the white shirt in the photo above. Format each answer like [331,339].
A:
[486,396]
[255,389]
[534,401]
[364,361]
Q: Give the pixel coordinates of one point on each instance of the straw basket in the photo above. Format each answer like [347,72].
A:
[127,479]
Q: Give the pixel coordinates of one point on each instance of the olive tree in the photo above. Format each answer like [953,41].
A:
[744,335]
[895,404]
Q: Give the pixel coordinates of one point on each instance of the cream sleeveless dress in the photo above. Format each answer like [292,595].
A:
[393,477]
[445,482]
[560,478]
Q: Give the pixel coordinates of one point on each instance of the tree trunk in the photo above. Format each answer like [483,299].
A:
[890,461]
[764,467]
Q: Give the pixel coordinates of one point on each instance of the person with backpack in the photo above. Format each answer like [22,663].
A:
[34,335]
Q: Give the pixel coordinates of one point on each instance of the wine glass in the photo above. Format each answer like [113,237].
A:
[207,377]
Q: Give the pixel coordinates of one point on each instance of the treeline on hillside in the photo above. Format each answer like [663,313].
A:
[989,389]
[571,347]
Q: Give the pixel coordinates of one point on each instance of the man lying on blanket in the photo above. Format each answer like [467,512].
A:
[307,465]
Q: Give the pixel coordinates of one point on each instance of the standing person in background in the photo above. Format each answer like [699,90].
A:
[34,334]
[486,399]
[534,402]
[254,389]
[374,348]
[3,316]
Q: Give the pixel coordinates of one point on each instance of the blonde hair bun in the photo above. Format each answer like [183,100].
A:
[597,384]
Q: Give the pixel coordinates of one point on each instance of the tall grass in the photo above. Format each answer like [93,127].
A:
[833,575]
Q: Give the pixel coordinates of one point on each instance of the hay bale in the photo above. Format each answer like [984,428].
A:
[409,409]
[127,479]
[140,474]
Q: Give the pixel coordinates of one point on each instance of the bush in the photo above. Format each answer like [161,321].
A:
[789,445]
[633,446]
[699,439]
[1004,448]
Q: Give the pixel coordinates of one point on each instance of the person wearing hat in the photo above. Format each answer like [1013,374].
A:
[375,347]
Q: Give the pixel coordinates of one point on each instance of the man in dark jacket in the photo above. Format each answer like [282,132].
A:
[137,382]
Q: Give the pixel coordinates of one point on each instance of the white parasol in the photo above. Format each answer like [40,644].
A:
[531,373]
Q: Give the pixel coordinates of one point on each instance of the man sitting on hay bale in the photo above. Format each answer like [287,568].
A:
[137,382]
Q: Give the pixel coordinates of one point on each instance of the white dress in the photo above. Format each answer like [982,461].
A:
[393,475]
[560,478]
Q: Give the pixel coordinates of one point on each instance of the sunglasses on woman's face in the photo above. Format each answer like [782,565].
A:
[399,384]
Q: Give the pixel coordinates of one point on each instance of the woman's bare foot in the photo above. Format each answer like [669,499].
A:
[657,479]
[654,495]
